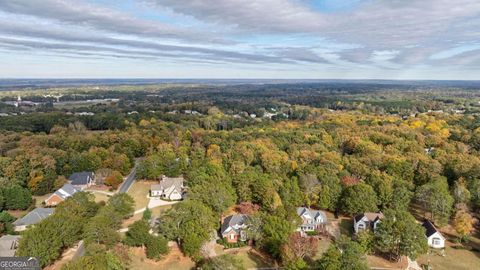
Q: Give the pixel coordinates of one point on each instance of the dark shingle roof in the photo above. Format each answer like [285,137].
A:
[80,178]
[232,221]
[429,228]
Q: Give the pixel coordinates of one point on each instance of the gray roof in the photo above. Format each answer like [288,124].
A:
[33,217]
[167,182]
[8,245]
[369,215]
[80,178]
[66,191]
[313,213]
[233,220]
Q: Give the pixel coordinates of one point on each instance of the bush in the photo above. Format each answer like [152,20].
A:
[311,233]
[227,245]
[156,247]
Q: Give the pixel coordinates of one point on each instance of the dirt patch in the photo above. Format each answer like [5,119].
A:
[174,260]
[379,262]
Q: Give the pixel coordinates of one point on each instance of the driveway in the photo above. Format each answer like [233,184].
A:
[155,202]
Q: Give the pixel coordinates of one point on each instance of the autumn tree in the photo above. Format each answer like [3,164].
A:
[463,223]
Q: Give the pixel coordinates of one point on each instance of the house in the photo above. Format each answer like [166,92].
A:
[82,180]
[233,228]
[8,245]
[434,237]
[60,195]
[312,220]
[32,218]
[169,188]
[365,221]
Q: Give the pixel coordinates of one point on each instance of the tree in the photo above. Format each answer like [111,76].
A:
[102,229]
[398,234]
[463,223]
[275,232]
[17,197]
[299,247]
[114,179]
[122,203]
[6,222]
[436,198]
[344,254]
[358,199]
[97,257]
[138,233]
[156,247]
[189,222]
[460,192]
[147,214]
[218,196]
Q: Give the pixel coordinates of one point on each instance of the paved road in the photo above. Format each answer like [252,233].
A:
[129,179]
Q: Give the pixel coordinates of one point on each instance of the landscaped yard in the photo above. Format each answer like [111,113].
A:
[40,199]
[139,192]
[100,197]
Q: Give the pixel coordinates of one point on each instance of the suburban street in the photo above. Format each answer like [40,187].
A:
[129,179]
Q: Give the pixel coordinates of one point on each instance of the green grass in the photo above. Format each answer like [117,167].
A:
[251,259]
[458,259]
[139,191]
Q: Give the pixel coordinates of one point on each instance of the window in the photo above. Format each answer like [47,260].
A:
[436,241]
[232,236]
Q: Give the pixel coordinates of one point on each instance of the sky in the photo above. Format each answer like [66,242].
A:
[271,39]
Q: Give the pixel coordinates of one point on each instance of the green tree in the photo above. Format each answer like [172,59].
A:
[218,196]
[17,197]
[122,203]
[138,233]
[147,214]
[156,247]
[400,235]
[435,197]
[358,199]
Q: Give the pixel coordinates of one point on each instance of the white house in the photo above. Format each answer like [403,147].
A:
[366,221]
[312,220]
[168,188]
[434,237]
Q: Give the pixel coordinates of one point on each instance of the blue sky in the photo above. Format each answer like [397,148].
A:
[311,39]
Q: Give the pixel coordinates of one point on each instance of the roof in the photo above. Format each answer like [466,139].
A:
[168,182]
[66,191]
[233,221]
[370,216]
[312,213]
[429,228]
[8,244]
[34,216]
[81,178]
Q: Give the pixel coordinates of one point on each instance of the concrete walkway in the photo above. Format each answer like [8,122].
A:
[155,202]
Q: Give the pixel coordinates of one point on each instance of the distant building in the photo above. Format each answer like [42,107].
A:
[434,238]
[60,195]
[32,218]
[233,228]
[312,220]
[82,180]
[366,221]
[20,103]
[169,188]
[8,245]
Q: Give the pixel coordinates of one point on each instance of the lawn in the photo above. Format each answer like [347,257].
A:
[139,192]
[460,259]
[252,259]
[346,226]
[100,197]
[40,199]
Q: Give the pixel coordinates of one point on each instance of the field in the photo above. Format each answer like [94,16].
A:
[174,260]
[458,259]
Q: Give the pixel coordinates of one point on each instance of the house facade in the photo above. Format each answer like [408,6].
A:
[60,195]
[312,220]
[366,221]
[233,228]
[434,238]
[168,188]
[32,218]
[82,180]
